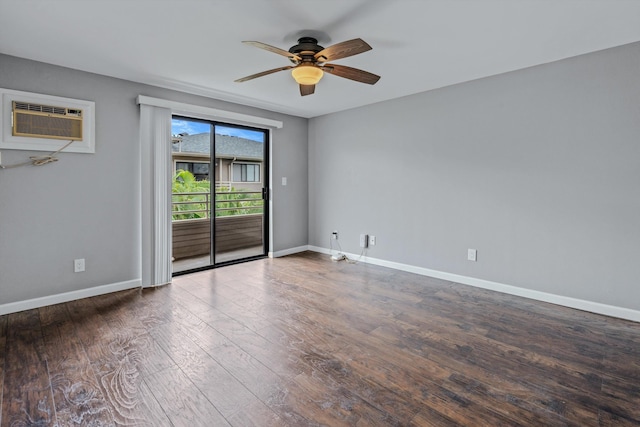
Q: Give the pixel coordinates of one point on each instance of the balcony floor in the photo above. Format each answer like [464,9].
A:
[191,263]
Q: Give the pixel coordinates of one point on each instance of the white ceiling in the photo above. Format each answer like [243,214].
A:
[195,45]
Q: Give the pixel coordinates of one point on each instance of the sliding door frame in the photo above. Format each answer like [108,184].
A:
[266,184]
[214,172]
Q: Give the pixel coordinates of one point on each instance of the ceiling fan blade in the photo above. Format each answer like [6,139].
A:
[274,49]
[351,73]
[342,50]
[307,89]
[264,73]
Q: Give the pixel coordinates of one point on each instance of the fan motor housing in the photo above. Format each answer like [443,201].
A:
[306,44]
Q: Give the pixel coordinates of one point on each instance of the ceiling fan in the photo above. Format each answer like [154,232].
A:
[311,62]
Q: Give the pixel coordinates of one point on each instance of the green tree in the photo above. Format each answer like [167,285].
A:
[191,190]
[245,203]
[190,199]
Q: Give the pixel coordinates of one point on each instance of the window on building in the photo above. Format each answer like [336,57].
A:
[246,172]
[200,170]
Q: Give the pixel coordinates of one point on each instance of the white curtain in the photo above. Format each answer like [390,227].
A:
[155,191]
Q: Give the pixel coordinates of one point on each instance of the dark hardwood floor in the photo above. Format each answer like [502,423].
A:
[304,341]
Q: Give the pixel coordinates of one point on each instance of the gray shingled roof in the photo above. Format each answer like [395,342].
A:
[226,146]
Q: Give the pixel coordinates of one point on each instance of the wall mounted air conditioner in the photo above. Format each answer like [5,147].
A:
[31,121]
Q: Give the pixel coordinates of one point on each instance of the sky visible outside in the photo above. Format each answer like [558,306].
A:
[192,128]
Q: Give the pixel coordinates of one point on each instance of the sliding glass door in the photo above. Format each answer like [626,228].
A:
[219,193]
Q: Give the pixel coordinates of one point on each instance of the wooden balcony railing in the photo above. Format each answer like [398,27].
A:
[238,223]
[193,237]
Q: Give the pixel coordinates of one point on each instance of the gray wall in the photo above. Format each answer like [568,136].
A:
[87,205]
[538,169]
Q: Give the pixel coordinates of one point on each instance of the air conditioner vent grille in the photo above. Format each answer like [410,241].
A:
[25,106]
[46,121]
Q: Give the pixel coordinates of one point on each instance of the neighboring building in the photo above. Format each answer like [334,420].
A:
[238,161]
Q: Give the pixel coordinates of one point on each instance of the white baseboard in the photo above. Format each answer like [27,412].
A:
[14,307]
[593,307]
[323,250]
[289,251]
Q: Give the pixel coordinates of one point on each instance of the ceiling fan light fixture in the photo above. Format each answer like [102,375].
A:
[310,61]
[307,74]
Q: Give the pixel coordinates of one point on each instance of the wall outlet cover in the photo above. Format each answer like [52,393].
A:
[78,265]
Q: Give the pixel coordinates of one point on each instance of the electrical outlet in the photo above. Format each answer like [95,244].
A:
[372,240]
[364,240]
[334,235]
[78,265]
[472,255]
